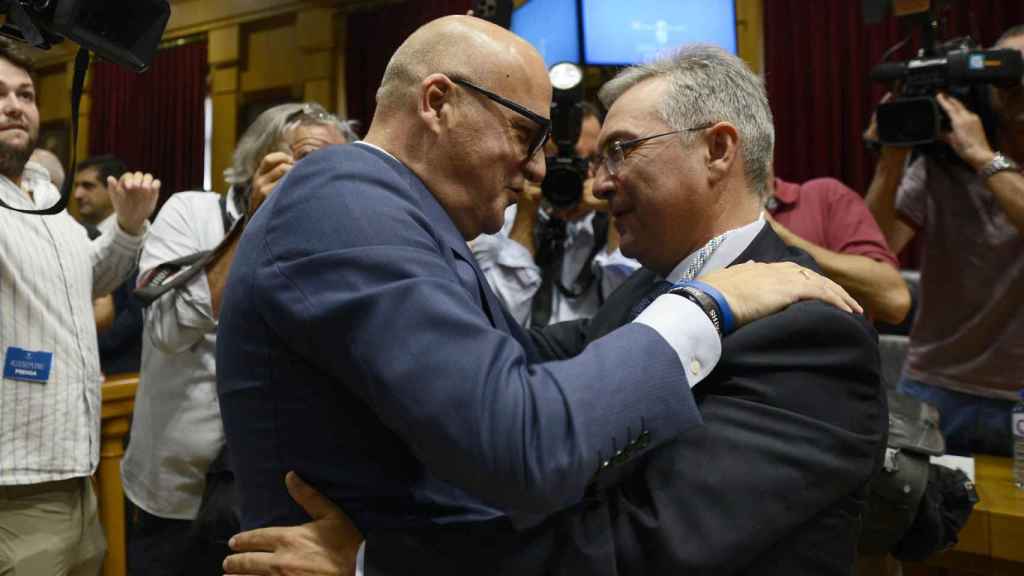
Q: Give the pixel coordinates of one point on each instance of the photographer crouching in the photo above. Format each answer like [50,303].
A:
[967,343]
[557,256]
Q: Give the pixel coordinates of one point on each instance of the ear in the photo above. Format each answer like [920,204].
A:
[723,141]
[435,92]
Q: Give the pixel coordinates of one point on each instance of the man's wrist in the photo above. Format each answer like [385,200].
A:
[130,230]
[702,300]
[994,163]
[711,301]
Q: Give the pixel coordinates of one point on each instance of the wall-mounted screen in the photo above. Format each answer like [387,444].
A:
[620,32]
[552,26]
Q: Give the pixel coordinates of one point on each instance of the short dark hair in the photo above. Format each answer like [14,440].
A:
[15,55]
[1011,32]
[105,165]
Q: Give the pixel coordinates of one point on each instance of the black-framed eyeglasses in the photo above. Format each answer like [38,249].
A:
[615,153]
[539,138]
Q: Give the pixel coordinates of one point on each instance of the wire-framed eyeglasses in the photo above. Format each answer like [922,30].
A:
[543,132]
[307,111]
[615,153]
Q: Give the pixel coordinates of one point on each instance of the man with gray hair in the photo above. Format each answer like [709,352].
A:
[176,432]
[793,415]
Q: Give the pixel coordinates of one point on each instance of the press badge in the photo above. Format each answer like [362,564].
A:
[27,365]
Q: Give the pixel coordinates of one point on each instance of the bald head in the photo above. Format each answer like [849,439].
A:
[52,164]
[460,46]
[461,104]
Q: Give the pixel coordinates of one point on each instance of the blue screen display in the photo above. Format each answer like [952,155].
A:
[552,27]
[618,32]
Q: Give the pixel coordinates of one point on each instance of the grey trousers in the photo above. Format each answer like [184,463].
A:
[51,528]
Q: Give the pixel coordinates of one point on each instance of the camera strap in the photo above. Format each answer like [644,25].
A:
[176,273]
[587,275]
[77,87]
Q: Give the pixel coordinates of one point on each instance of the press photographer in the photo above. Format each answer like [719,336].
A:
[967,343]
[557,256]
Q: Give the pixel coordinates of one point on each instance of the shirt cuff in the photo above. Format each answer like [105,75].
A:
[359,558]
[125,242]
[689,332]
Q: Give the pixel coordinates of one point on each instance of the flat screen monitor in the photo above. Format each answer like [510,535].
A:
[552,26]
[620,32]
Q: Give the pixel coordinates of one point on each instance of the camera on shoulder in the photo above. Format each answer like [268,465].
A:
[958,67]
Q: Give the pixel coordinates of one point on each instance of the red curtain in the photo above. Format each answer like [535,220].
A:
[153,121]
[817,59]
[373,36]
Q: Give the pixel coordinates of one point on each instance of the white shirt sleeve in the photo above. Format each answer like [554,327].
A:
[179,318]
[511,272]
[689,332]
[615,268]
[114,256]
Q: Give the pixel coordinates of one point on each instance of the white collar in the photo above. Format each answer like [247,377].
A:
[735,242]
[379,149]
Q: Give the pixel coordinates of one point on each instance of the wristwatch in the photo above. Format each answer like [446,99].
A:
[998,163]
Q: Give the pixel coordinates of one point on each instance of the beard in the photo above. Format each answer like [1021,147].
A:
[14,157]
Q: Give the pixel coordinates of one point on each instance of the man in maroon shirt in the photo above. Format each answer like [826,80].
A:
[829,221]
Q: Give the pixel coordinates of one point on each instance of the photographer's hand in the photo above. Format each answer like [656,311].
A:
[526,217]
[881,195]
[967,136]
[588,203]
[271,170]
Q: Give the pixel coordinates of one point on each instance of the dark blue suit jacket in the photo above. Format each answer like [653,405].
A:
[360,345]
[772,483]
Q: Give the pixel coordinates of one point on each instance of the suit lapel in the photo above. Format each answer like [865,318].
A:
[615,311]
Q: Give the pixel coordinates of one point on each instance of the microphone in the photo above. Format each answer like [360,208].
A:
[889,71]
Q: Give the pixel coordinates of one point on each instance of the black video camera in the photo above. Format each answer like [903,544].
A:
[913,117]
[126,32]
[563,185]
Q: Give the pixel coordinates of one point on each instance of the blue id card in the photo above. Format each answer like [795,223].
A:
[27,365]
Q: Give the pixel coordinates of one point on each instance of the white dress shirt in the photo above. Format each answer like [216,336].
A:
[49,274]
[698,352]
[515,277]
[176,430]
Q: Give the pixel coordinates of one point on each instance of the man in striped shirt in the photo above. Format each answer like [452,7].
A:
[50,391]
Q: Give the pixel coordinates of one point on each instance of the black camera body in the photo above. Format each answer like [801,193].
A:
[563,184]
[914,118]
[126,32]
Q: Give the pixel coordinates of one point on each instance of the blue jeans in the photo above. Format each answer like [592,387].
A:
[970,424]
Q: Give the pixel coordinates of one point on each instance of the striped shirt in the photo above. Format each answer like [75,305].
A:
[49,274]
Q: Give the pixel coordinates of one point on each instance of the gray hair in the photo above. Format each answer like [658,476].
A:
[262,137]
[709,85]
[268,131]
[312,117]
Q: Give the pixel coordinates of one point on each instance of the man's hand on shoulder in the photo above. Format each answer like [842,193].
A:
[134,197]
[327,546]
[754,290]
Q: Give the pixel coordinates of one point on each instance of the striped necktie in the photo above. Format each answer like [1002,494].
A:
[690,273]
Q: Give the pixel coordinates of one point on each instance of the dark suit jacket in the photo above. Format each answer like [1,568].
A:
[360,345]
[772,483]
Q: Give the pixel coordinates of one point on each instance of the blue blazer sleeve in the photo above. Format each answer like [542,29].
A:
[357,274]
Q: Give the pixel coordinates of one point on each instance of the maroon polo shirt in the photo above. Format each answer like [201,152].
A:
[824,211]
